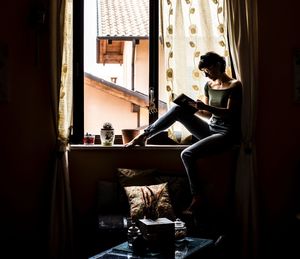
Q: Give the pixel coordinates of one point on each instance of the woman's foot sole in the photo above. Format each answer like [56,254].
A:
[139,140]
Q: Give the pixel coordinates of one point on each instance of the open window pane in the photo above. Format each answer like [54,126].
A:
[116,64]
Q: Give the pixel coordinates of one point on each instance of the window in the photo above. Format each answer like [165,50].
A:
[121,75]
[116,65]
[121,100]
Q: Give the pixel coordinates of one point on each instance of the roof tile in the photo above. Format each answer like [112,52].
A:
[123,18]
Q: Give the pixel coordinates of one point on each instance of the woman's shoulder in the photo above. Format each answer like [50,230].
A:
[236,88]
[236,83]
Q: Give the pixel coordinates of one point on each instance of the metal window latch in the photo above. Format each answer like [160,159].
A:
[152,107]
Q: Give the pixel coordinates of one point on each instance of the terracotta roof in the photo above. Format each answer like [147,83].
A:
[123,18]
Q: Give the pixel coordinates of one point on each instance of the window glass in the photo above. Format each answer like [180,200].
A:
[116,64]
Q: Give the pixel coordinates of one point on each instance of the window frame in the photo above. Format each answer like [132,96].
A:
[78,65]
[78,72]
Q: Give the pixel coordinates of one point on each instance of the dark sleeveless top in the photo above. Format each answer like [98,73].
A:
[219,98]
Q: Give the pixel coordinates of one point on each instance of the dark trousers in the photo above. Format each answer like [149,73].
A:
[210,139]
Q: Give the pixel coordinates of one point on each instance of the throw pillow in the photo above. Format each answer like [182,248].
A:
[133,177]
[179,190]
[150,201]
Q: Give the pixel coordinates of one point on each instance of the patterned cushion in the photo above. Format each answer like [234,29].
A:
[133,177]
[150,201]
[179,190]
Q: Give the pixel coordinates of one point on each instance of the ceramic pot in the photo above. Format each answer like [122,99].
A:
[129,134]
[107,137]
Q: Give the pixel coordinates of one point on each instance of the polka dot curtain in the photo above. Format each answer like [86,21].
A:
[188,30]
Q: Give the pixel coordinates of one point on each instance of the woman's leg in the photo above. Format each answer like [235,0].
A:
[198,127]
[212,144]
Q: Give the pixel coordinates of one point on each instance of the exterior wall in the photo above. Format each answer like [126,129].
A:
[102,107]
[127,69]
[141,67]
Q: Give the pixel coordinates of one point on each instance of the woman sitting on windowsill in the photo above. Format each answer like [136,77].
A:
[222,105]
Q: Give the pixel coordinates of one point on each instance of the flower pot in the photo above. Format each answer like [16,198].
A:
[107,137]
[129,134]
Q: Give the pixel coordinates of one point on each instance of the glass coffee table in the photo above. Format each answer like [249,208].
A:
[184,248]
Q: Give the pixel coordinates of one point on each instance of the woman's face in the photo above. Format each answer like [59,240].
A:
[211,72]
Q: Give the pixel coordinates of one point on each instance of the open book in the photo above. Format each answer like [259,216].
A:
[184,101]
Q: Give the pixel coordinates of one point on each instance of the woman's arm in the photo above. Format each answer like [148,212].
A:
[202,112]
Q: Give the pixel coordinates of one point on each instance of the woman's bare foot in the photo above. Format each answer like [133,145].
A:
[139,140]
[196,203]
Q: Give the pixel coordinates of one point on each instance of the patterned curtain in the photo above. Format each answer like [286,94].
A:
[190,28]
[61,225]
[66,84]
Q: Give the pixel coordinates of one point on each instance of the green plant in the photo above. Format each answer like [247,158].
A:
[107,125]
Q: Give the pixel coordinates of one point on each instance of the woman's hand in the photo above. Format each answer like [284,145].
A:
[200,105]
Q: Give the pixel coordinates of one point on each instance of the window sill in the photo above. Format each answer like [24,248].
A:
[161,141]
[122,147]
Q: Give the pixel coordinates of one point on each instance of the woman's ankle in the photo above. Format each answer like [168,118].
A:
[139,140]
[196,202]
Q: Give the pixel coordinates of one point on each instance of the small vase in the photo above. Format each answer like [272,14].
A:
[133,234]
[107,137]
[89,139]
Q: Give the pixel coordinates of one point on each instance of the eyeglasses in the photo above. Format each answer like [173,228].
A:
[207,70]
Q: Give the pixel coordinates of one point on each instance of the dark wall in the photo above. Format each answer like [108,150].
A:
[278,126]
[27,135]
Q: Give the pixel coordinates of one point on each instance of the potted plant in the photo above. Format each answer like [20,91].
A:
[107,134]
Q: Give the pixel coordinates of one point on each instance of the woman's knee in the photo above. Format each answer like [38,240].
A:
[176,108]
[192,154]
[186,155]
